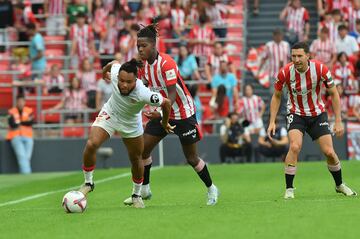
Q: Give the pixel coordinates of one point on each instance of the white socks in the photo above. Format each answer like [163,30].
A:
[137,188]
[88,175]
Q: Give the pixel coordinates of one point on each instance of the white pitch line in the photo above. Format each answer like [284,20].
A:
[40,195]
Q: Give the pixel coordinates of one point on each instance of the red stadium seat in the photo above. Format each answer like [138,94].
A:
[73,132]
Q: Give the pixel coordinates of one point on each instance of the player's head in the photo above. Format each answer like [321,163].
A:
[127,76]
[278,35]
[336,15]
[146,42]
[300,56]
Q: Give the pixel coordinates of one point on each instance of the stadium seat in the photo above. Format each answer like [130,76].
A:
[73,132]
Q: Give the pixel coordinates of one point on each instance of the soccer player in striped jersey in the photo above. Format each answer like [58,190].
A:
[122,113]
[162,75]
[304,79]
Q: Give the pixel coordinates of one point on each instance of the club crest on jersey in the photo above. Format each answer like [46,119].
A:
[154,99]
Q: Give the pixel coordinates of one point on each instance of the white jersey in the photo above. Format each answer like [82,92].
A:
[123,113]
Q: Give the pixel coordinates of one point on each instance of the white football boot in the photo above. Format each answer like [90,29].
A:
[342,188]
[289,193]
[145,195]
[137,201]
[86,188]
[212,196]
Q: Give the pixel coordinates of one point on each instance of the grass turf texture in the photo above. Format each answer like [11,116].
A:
[251,205]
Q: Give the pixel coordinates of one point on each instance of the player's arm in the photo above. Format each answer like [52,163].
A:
[338,127]
[107,69]
[166,109]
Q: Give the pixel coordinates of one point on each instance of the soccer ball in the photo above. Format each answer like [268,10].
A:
[74,201]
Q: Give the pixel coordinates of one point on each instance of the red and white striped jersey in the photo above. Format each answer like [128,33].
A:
[351,16]
[296,19]
[216,14]
[164,72]
[278,56]
[337,4]
[75,99]
[323,50]
[345,76]
[201,33]
[304,89]
[99,18]
[214,62]
[250,107]
[82,36]
[55,81]
[125,41]
[56,7]
[193,16]
[333,29]
[108,43]
[177,18]
[87,80]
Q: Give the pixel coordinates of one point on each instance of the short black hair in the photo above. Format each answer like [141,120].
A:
[301,45]
[150,31]
[131,66]
[342,27]
[277,32]
[81,14]
[30,26]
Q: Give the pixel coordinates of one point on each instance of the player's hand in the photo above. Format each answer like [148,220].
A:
[338,129]
[152,115]
[271,130]
[106,76]
[169,128]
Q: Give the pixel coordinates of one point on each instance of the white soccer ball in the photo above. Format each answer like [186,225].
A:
[74,201]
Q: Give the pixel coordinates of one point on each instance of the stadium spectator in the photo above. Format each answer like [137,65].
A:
[297,19]
[325,6]
[194,8]
[20,133]
[103,93]
[128,42]
[177,18]
[127,20]
[277,53]
[256,7]
[347,44]
[212,66]
[164,21]
[108,39]
[187,64]
[220,103]
[149,8]
[36,51]
[193,89]
[142,17]
[82,38]
[252,107]
[353,13]
[7,21]
[229,81]
[275,147]
[74,99]
[307,114]
[355,105]
[344,74]
[55,17]
[323,49]
[75,8]
[235,138]
[23,16]
[87,77]
[119,57]
[99,17]
[217,13]
[356,32]
[201,38]
[54,81]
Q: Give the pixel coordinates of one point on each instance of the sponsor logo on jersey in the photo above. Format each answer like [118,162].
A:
[170,74]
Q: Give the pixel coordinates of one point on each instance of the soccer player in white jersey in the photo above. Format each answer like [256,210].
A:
[162,75]
[304,79]
[122,113]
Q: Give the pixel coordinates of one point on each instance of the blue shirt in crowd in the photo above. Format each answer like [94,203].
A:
[36,45]
[188,66]
[229,81]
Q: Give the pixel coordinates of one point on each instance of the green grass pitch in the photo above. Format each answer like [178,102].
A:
[251,205]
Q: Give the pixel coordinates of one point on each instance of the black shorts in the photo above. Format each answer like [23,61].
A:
[315,126]
[187,130]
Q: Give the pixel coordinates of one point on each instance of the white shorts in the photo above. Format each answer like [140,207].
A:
[257,124]
[110,123]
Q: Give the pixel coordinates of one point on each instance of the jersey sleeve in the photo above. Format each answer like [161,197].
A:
[169,73]
[280,80]
[326,76]
[114,72]
[149,97]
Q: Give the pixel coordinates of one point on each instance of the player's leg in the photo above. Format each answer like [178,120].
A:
[97,136]
[191,155]
[334,165]
[295,138]
[135,148]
